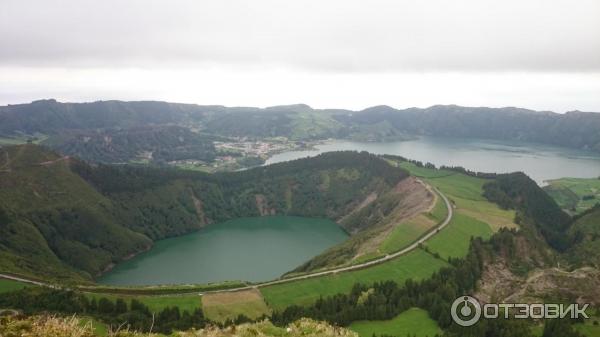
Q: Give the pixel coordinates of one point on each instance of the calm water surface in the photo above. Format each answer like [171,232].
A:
[259,249]
[540,162]
[249,249]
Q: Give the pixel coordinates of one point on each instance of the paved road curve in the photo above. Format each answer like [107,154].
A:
[388,257]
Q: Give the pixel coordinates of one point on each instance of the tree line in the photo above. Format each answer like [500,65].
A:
[119,312]
[385,300]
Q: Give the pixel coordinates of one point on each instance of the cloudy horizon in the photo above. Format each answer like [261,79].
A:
[542,55]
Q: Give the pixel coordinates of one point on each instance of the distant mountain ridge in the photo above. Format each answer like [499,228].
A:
[62,123]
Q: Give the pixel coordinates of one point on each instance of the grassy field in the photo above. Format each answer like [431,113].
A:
[10,285]
[439,211]
[36,139]
[466,193]
[574,194]
[157,303]
[222,306]
[588,328]
[424,172]
[413,322]
[454,239]
[406,233]
[416,265]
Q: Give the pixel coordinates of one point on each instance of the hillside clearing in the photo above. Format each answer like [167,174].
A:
[219,307]
[412,322]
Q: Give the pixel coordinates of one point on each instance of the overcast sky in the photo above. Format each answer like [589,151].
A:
[348,54]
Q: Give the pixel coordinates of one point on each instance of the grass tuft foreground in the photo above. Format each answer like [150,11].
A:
[53,326]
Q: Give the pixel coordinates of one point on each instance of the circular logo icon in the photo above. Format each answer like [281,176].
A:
[465,311]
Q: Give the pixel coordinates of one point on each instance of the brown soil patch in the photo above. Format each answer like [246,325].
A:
[263,206]
[414,198]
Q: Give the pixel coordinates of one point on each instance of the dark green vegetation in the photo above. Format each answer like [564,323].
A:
[52,222]
[152,144]
[586,233]
[134,313]
[10,285]
[574,195]
[573,129]
[114,131]
[421,279]
[61,217]
[518,191]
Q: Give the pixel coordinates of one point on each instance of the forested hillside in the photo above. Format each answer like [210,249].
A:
[573,129]
[535,209]
[152,144]
[586,233]
[53,222]
[69,215]
[79,128]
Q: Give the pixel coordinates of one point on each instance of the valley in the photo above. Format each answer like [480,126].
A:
[300,169]
[288,239]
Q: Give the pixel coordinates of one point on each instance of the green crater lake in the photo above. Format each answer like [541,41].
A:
[247,249]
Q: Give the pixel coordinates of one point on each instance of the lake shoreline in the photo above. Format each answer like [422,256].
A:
[240,249]
[539,161]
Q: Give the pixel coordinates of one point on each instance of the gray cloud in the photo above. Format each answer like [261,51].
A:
[337,36]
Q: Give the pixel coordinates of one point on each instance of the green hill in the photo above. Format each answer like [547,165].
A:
[574,195]
[61,217]
[83,128]
[53,222]
[586,230]
[536,210]
[154,144]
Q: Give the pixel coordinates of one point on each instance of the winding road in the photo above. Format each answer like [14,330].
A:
[380,260]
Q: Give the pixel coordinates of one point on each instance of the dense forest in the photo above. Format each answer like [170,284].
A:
[136,127]
[154,144]
[586,235]
[534,207]
[61,217]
